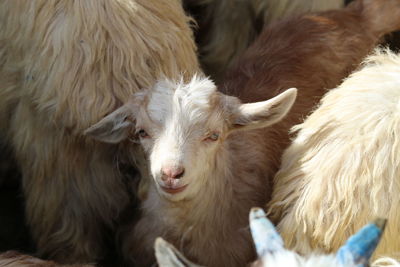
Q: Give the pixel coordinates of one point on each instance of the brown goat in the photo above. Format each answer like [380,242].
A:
[208,163]
[228,27]
[63,66]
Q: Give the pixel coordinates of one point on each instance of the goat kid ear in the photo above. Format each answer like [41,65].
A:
[115,127]
[265,237]
[168,256]
[265,113]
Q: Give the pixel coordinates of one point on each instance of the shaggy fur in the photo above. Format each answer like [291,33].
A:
[63,66]
[228,27]
[207,221]
[343,169]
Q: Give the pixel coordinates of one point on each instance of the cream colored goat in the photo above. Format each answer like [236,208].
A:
[343,168]
[63,66]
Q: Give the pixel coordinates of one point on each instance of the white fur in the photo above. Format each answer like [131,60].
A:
[287,258]
[343,168]
[167,94]
[178,107]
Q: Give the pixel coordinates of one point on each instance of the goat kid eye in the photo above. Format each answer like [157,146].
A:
[142,133]
[212,137]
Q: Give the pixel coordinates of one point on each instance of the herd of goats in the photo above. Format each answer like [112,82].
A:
[201,132]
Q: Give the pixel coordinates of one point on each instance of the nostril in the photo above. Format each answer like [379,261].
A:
[175,173]
[178,174]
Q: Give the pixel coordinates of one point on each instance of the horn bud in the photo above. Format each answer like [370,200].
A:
[360,247]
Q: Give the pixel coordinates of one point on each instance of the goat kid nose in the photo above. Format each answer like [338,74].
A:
[172,172]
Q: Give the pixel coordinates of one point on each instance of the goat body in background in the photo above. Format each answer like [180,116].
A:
[228,27]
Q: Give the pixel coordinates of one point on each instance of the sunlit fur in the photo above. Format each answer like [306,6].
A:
[342,169]
[228,27]
[63,66]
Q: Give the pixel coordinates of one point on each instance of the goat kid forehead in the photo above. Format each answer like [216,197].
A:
[186,104]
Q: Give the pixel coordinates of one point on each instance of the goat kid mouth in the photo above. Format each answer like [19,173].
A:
[173,190]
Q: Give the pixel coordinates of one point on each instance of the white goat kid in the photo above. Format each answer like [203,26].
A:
[269,245]
[204,182]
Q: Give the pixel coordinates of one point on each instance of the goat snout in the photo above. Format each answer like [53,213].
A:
[172,172]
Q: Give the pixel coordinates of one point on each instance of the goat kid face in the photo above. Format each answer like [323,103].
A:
[183,126]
